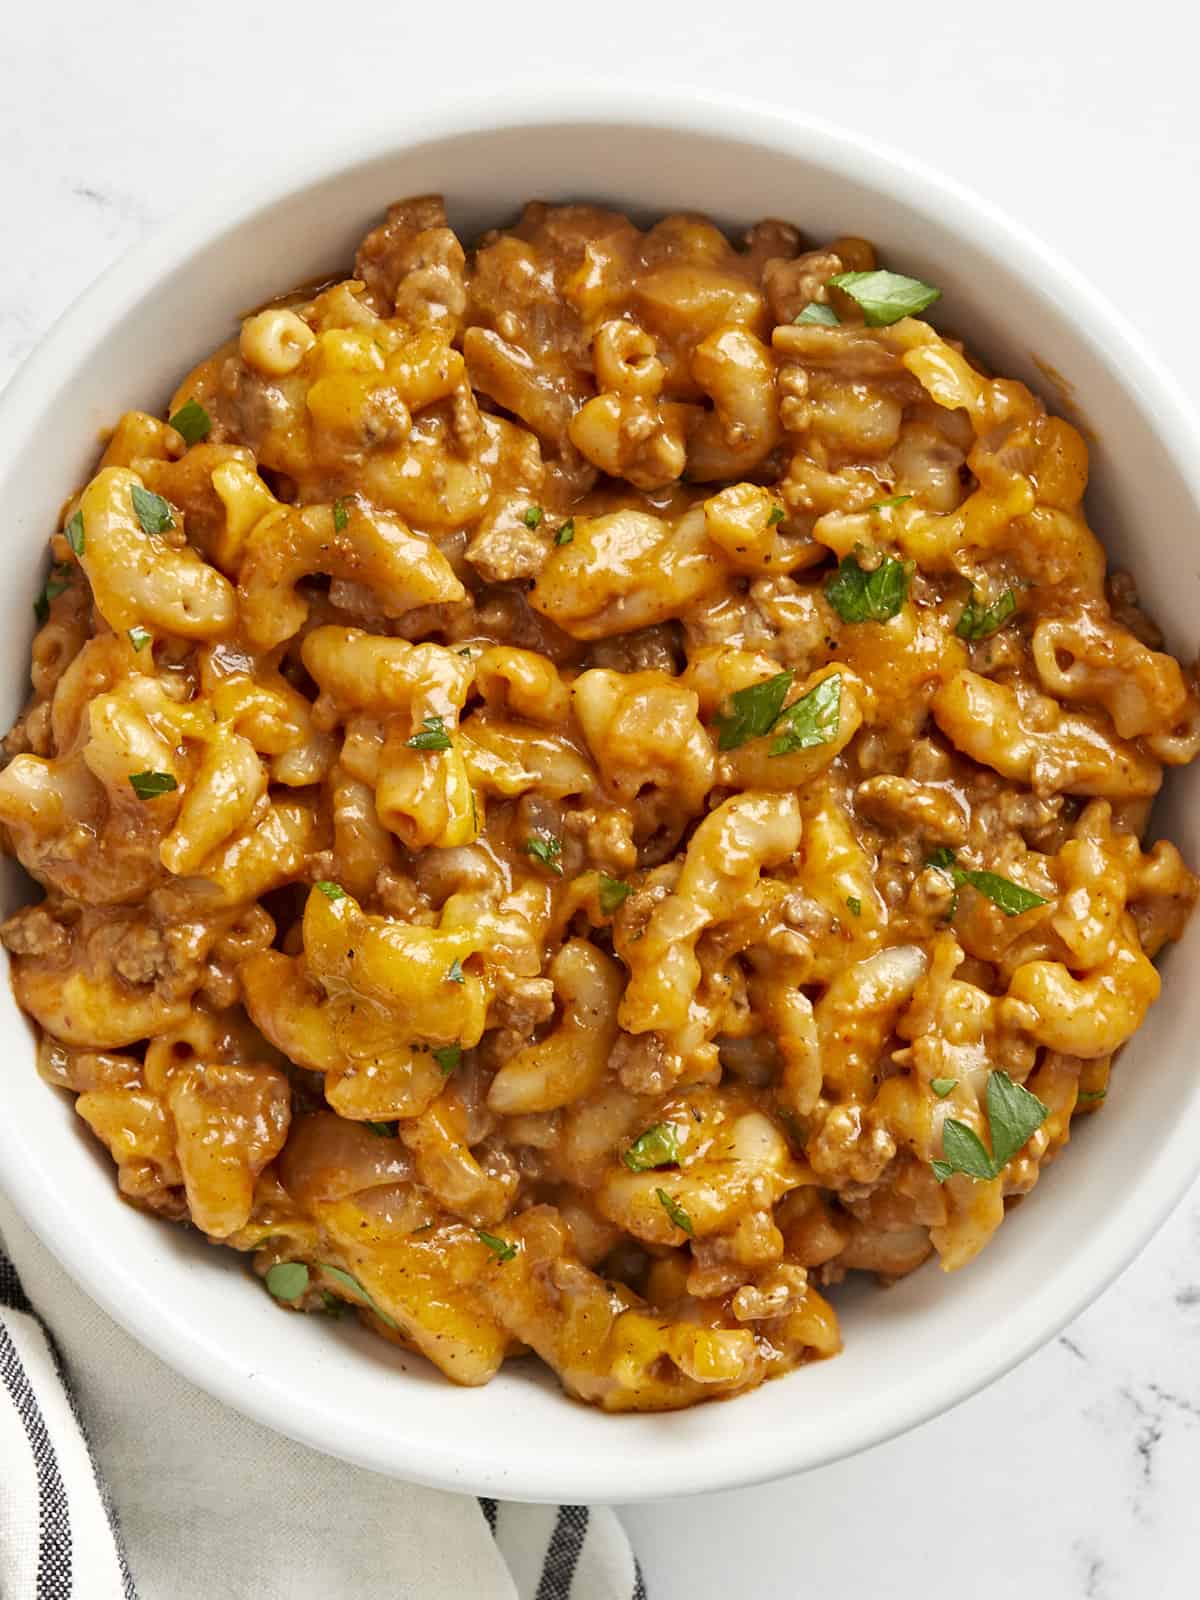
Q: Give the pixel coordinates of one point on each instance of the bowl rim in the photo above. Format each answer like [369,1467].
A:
[443,1462]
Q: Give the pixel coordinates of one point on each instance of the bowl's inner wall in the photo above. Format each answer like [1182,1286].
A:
[908,1350]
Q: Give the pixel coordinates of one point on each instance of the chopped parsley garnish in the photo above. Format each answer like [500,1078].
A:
[74,533]
[777,515]
[657,1147]
[287,1280]
[943,1086]
[676,1212]
[885,297]
[545,849]
[454,972]
[139,637]
[757,710]
[433,735]
[753,711]
[500,1248]
[892,500]
[146,785]
[57,583]
[331,891]
[855,905]
[341,513]
[1014,1115]
[612,893]
[1090,1097]
[385,1130]
[532,517]
[1012,898]
[861,596]
[980,622]
[811,720]
[814,311]
[566,533]
[357,1291]
[192,421]
[448,1058]
[151,510]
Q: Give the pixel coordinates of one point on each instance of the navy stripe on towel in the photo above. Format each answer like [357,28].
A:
[54,1516]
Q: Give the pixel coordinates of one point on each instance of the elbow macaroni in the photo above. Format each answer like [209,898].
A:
[485,861]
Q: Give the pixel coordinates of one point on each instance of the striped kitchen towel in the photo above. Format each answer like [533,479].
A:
[121,1481]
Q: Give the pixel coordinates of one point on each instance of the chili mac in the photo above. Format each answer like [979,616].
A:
[586,787]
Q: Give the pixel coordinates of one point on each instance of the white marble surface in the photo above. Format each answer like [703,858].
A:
[1076,1475]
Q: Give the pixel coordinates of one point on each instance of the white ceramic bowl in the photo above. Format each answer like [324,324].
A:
[911,1352]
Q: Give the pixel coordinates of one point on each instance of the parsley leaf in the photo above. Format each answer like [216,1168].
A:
[566,533]
[885,297]
[331,891]
[151,509]
[1090,1097]
[855,905]
[980,622]
[753,711]
[657,1147]
[546,849]
[192,421]
[454,972]
[500,1248]
[1014,1115]
[860,596]
[57,583]
[777,515]
[74,533]
[139,637]
[385,1130]
[892,500]
[1012,898]
[433,735]
[341,513]
[943,1086]
[612,893]
[448,1058]
[287,1280]
[146,785]
[676,1213]
[357,1291]
[60,579]
[814,311]
[964,1151]
[811,720]
[532,517]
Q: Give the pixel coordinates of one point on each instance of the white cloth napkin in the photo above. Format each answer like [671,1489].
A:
[120,1481]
